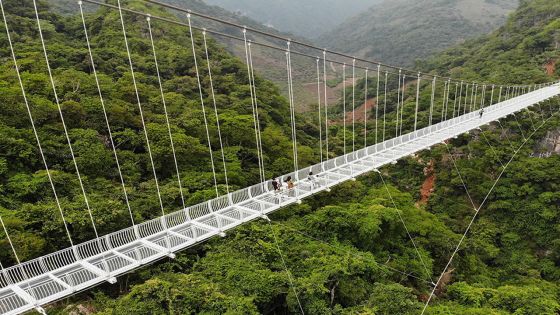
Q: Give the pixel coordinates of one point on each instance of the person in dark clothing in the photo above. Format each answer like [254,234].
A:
[481,112]
[275,184]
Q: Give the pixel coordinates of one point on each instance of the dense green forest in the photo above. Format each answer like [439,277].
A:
[346,251]
[401,31]
[26,201]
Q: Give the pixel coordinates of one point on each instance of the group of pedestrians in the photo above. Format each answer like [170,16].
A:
[278,186]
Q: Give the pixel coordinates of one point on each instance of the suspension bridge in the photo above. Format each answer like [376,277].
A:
[32,284]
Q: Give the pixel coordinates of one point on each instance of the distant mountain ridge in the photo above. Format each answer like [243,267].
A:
[308,18]
[401,31]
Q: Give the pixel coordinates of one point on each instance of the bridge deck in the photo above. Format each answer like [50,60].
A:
[61,274]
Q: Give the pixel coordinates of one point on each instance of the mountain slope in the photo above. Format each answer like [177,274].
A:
[400,31]
[525,50]
[308,18]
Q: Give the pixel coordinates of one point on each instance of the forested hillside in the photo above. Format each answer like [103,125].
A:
[401,31]
[340,252]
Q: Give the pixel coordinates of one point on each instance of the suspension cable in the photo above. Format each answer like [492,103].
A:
[460,176]
[476,214]
[326,104]
[270,35]
[466,99]
[445,108]
[402,101]
[353,105]
[377,264]
[432,101]
[443,100]
[216,110]
[428,274]
[20,267]
[417,101]
[344,108]
[385,106]
[140,110]
[319,109]
[398,105]
[505,133]
[165,112]
[32,121]
[492,148]
[500,95]
[455,99]
[377,102]
[292,112]
[64,126]
[286,267]
[249,76]
[365,108]
[102,101]
[459,102]
[258,120]
[203,108]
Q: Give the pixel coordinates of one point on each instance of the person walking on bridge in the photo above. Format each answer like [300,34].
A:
[481,112]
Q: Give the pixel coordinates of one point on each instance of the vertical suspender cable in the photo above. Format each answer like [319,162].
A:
[258,121]
[398,105]
[63,124]
[365,109]
[460,99]
[492,96]
[432,101]
[475,96]
[500,95]
[443,99]
[447,100]
[417,101]
[249,76]
[455,99]
[102,101]
[326,104]
[483,97]
[165,111]
[402,102]
[466,98]
[215,111]
[473,87]
[140,110]
[353,105]
[319,109]
[203,107]
[292,112]
[385,106]
[344,108]
[377,102]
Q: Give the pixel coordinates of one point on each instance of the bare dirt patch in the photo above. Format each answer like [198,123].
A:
[428,185]
[550,67]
